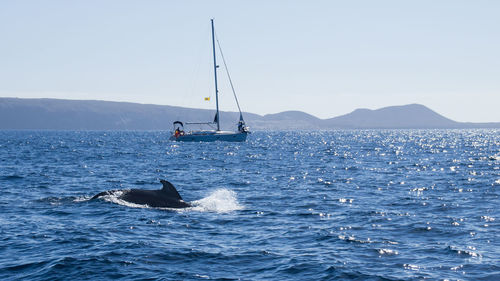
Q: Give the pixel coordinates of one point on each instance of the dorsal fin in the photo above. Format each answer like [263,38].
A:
[170,190]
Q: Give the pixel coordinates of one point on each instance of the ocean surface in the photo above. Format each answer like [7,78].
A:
[362,205]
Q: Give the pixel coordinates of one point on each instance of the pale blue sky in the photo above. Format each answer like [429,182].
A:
[323,57]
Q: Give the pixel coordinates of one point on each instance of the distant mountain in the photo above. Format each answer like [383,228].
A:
[57,114]
[404,116]
[287,120]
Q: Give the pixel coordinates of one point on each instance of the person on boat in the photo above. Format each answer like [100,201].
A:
[241,126]
[178,132]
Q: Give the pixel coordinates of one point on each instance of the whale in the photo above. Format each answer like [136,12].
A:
[167,197]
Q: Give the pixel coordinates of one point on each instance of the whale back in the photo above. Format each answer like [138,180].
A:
[169,190]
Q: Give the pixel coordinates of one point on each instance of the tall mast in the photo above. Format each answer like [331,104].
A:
[215,75]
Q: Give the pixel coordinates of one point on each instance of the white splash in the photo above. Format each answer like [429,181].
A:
[82,198]
[387,252]
[114,197]
[220,201]
[487,218]
[411,266]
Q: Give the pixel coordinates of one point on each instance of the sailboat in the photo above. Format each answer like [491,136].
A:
[213,134]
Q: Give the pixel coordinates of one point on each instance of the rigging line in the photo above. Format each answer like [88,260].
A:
[227,72]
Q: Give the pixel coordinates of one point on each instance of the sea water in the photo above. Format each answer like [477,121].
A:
[374,204]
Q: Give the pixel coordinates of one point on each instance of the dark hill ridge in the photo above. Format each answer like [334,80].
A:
[57,114]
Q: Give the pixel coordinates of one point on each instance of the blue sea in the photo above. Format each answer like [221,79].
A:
[360,205]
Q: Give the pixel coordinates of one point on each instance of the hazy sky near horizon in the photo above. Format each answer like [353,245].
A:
[326,58]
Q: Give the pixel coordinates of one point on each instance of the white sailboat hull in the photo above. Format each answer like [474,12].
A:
[209,136]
